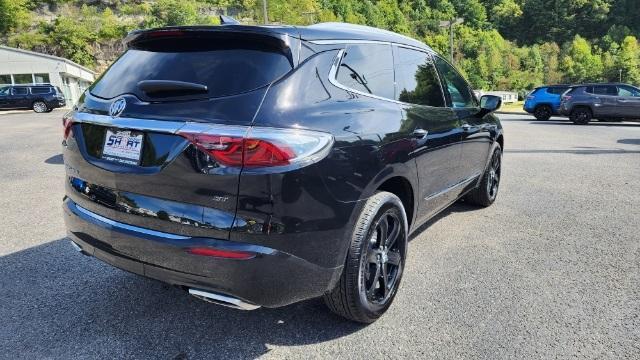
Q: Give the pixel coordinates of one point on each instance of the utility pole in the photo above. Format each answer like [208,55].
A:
[450,24]
[264,11]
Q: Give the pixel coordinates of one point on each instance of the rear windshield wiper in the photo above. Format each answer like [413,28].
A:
[167,88]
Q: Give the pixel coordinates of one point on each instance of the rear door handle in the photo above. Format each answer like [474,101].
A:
[420,133]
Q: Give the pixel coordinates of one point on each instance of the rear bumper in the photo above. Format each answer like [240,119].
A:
[272,278]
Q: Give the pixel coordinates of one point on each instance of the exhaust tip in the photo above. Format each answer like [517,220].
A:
[223,300]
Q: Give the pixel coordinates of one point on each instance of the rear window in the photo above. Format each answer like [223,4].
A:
[226,66]
[20,91]
[41,90]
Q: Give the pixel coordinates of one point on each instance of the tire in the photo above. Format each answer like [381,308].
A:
[543,113]
[39,106]
[360,295]
[485,194]
[581,116]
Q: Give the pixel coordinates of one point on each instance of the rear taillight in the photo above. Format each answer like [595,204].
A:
[258,148]
[566,98]
[67,123]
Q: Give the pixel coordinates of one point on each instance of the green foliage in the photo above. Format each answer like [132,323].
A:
[13,14]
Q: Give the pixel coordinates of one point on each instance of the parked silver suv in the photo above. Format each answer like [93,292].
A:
[604,102]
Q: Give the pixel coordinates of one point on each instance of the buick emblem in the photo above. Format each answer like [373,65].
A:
[117,107]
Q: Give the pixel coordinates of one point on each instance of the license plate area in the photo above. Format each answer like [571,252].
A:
[122,146]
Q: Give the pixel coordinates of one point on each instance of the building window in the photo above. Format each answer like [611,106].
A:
[5,79]
[22,79]
[41,78]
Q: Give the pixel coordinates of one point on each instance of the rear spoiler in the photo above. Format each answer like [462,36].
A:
[288,37]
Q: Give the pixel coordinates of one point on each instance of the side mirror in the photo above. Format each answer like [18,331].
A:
[489,104]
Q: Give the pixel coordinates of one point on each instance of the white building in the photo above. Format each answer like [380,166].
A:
[19,66]
[507,96]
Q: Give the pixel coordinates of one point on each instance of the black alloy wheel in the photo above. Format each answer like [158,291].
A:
[485,194]
[375,261]
[542,113]
[581,116]
[382,264]
[493,181]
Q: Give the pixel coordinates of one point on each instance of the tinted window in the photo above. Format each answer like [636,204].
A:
[628,91]
[557,90]
[4,91]
[603,90]
[40,90]
[417,79]
[369,69]
[20,91]
[226,66]
[455,86]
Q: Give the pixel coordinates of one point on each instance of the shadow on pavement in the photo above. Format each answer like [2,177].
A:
[629,141]
[607,124]
[60,304]
[457,207]
[55,160]
[572,151]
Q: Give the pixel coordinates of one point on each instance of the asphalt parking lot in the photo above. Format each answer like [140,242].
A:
[551,270]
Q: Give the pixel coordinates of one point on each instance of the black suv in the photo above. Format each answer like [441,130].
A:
[40,98]
[259,166]
[604,102]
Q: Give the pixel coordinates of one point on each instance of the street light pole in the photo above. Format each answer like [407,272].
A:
[450,24]
[264,11]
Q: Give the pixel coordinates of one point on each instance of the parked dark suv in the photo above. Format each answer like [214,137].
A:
[260,166]
[40,98]
[604,102]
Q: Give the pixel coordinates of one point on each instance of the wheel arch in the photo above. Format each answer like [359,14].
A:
[402,188]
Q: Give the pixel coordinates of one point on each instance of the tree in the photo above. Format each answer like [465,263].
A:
[629,60]
[579,62]
[13,13]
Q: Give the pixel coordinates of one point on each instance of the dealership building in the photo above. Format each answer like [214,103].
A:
[22,67]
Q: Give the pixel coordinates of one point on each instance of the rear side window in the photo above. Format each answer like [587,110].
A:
[226,66]
[20,91]
[628,91]
[368,68]
[557,90]
[603,90]
[417,79]
[41,90]
[455,86]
